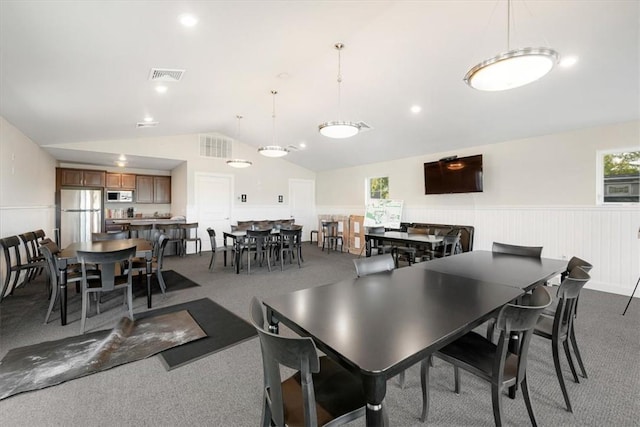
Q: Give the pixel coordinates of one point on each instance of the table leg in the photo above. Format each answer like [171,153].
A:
[367,244]
[375,388]
[149,269]
[273,322]
[225,252]
[63,292]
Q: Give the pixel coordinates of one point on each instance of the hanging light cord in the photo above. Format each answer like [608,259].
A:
[339,47]
[273,115]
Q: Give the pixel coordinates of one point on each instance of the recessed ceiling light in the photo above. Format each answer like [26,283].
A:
[302,145]
[416,109]
[161,89]
[148,119]
[122,158]
[188,20]
[568,61]
[121,164]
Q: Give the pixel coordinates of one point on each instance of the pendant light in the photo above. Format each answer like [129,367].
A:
[339,128]
[239,163]
[513,68]
[273,150]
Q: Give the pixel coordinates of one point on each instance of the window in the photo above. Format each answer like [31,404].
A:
[618,174]
[378,188]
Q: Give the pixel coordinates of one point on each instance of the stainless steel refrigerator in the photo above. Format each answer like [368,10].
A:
[81,215]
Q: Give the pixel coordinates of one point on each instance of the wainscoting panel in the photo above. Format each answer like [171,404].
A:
[606,236]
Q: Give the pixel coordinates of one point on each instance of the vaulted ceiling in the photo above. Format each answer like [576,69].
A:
[78,71]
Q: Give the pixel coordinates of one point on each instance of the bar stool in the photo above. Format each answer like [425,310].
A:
[140,231]
[187,237]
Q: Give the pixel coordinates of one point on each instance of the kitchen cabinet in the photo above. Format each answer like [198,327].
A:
[161,189]
[123,181]
[81,178]
[144,189]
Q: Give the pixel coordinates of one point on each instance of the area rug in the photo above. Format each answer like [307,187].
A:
[174,282]
[53,362]
[223,328]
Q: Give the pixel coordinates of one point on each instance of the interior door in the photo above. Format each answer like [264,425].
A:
[213,197]
[302,204]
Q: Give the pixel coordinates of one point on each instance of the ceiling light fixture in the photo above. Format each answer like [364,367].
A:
[188,20]
[339,128]
[122,158]
[161,89]
[239,163]
[513,68]
[273,150]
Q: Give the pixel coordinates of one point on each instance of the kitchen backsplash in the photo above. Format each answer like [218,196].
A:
[120,210]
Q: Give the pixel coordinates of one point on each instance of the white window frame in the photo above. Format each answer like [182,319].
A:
[600,176]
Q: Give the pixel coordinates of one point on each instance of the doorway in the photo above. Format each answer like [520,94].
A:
[302,204]
[213,199]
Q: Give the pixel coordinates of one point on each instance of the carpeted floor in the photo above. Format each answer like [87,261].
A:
[224,389]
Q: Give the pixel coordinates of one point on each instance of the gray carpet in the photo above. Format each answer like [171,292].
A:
[224,389]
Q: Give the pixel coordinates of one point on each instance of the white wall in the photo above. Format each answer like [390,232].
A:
[538,191]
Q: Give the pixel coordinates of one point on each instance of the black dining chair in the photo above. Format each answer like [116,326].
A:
[491,362]
[290,242]
[118,235]
[139,264]
[258,243]
[109,280]
[374,264]
[505,248]
[319,393]
[559,327]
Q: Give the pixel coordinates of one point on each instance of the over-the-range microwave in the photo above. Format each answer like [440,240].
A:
[120,196]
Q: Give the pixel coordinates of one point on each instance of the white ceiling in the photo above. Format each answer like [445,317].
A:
[75,71]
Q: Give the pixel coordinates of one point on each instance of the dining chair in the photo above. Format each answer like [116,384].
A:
[504,248]
[50,251]
[319,393]
[14,265]
[374,264]
[139,264]
[108,280]
[140,231]
[558,328]
[30,243]
[118,235]
[174,235]
[188,236]
[290,242]
[214,247]
[379,247]
[491,362]
[450,246]
[257,242]
[331,238]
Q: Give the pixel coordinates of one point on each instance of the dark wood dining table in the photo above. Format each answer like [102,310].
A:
[237,237]
[402,237]
[381,324]
[68,255]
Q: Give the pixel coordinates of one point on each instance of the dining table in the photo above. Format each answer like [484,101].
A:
[379,325]
[237,238]
[403,237]
[68,255]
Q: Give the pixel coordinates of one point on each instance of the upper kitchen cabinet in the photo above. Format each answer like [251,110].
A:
[81,178]
[153,189]
[123,181]
[162,189]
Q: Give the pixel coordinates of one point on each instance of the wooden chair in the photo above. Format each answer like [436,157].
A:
[330,236]
[30,243]
[257,242]
[49,251]
[290,242]
[140,264]
[188,237]
[174,235]
[559,327]
[118,235]
[504,248]
[320,393]
[108,281]
[14,265]
[374,264]
[493,362]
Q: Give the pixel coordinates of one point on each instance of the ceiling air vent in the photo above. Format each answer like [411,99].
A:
[146,124]
[216,146]
[165,75]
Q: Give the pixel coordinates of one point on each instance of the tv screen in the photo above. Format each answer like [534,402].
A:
[454,175]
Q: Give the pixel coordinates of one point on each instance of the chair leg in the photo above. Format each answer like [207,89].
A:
[496,401]
[556,362]
[85,303]
[424,384]
[567,353]
[456,379]
[212,262]
[491,323]
[574,344]
[52,302]
[527,401]
[401,379]
[129,291]
[163,286]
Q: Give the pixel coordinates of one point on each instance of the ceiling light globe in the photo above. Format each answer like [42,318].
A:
[239,163]
[339,129]
[512,69]
[273,151]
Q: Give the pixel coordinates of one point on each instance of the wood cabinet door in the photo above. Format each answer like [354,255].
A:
[71,177]
[94,178]
[113,180]
[162,189]
[144,189]
[128,181]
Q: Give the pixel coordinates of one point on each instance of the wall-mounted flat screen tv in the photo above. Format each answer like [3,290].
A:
[453,175]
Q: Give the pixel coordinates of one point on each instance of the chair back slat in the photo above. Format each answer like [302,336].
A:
[374,264]
[504,248]
[100,237]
